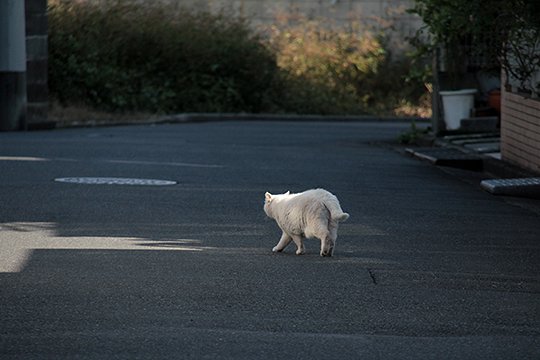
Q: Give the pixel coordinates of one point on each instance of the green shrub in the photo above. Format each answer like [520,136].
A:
[336,70]
[119,55]
[122,56]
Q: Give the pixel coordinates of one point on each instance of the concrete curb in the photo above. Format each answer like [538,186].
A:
[196,117]
[526,187]
[215,117]
[491,166]
[504,178]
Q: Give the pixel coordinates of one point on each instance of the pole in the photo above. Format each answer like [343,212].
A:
[12,65]
[435,97]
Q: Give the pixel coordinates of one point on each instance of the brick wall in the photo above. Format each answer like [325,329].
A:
[36,63]
[520,130]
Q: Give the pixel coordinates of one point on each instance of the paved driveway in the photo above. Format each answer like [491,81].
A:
[427,267]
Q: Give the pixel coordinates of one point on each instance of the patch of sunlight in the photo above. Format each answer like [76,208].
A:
[19,239]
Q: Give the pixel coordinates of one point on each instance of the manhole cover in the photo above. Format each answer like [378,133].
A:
[114,181]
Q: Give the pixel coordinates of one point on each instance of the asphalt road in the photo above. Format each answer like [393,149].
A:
[427,267]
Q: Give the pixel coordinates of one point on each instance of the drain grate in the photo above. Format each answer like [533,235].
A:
[516,187]
[114,181]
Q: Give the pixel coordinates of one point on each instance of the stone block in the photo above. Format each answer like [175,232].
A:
[37,116]
[36,6]
[36,71]
[480,124]
[36,47]
[37,92]
[527,187]
[36,24]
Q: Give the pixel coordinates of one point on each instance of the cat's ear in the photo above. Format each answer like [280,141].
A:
[268,196]
[288,193]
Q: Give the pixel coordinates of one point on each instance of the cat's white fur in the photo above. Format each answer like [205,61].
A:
[310,214]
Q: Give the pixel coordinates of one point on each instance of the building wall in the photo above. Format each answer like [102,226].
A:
[36,63]
[372,12]
[520,130]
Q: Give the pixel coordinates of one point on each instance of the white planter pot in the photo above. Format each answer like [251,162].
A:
[457,105]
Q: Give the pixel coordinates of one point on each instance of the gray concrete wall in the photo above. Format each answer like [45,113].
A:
[36,63]
[379,13]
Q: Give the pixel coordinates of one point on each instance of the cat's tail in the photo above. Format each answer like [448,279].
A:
[340,217]
[335,212]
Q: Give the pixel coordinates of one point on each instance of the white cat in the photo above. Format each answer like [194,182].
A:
[309,214]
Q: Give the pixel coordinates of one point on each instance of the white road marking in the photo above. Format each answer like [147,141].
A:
[22,158]
[115,181]
[182,164]
[112,161]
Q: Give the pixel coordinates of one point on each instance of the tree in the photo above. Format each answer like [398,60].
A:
[506,31]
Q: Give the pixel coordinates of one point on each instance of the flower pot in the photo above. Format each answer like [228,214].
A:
[494,100]
[457,105]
